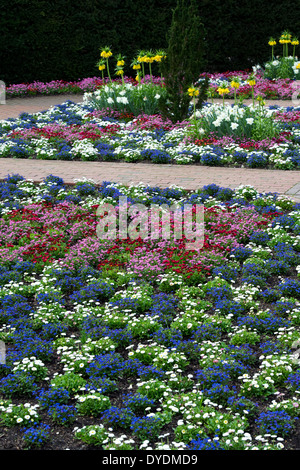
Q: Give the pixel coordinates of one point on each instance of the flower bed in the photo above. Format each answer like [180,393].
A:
[58,87]
[277,89]
[269,89]
[139,343]
[54,87]
[232,136]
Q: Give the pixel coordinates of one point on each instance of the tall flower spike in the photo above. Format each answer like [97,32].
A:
[272,43]
[106,54]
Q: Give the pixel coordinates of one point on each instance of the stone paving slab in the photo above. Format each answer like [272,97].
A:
[187,176]
[294,190]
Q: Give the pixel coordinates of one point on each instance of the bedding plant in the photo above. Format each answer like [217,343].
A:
[123,123]
[269,88]
[139,343]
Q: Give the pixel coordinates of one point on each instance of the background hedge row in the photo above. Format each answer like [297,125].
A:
[50,40]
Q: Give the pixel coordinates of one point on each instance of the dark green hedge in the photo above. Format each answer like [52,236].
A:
[50,40]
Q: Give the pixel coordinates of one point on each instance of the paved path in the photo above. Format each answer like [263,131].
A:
[187,176]
[14,106]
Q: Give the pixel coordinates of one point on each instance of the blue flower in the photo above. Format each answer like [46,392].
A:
[278,423]
[290,288]
[200,443]
[255,160]
[241,253]
[293,381]
[36,436]
[62,414]
[119,417]
[99,290]
[48,398]
[259,237]
[157,156]
[212,158]
[146,427]
[239,156]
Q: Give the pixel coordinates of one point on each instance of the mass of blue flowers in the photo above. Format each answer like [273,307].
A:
[207,364]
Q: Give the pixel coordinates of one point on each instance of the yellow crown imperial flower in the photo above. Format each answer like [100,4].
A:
[106,54]
[261,100]
[136,66]
[142,58]
[120,63]
[251,82]
[101,67]
[235,84]
[159,55]
[285,37]
[222,90]
[193,91]
[272,42]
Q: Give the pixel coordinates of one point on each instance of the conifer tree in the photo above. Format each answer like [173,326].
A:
[184,61]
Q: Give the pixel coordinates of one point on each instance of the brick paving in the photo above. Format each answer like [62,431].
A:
[13,107]
[187,176]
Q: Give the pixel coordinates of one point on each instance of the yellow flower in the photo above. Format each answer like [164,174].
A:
[251,82]
[234,84]
[101,67]
[120,63]
[222,91]
[106,54]
[272,42]
[142,58]
[136,66]
[285,37]
[261,100]
[193,91]
[298,66]
[119,72]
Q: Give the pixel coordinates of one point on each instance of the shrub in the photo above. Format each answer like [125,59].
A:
[183,61]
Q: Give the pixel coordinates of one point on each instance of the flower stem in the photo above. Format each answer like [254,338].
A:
[108,71]
[150,70]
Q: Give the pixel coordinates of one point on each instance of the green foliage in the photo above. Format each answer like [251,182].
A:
[284,67]
[94,434]
[128,98]
[183,62]
[250,122]
[92,404]
[46,40]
